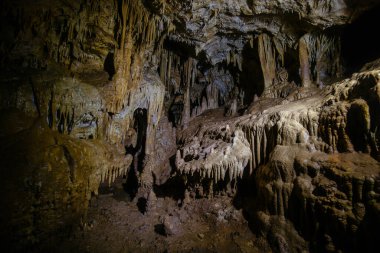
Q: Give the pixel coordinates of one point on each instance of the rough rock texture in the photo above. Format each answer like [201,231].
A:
[215,154]
[302,171]
[222,28]
[190,99]
[70,86]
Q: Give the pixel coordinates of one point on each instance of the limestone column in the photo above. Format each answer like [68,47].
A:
[304,62]
[267,59]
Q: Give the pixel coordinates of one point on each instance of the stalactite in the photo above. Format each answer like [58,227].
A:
[155,110]
[304,62]
[140,31]
[217,160]
[319,58]
[267,56]
[186,112]
[124,11]
[281,49]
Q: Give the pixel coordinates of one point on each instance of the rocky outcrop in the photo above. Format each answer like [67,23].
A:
[73,75]
[305,163]
[316,192]
[49,179]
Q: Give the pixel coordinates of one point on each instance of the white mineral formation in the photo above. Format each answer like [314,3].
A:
[223,158]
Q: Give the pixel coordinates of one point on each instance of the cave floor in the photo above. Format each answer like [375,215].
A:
[115,224]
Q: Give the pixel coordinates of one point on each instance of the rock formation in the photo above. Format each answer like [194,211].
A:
[261,101]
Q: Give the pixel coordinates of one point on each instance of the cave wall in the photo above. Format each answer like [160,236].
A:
[72,76]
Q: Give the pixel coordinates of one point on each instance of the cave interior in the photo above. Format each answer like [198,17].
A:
[189,126]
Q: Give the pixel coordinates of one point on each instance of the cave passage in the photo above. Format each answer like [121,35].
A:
[360,44]
[251,78]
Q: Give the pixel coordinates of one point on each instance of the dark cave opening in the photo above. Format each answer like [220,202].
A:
[360,44]
[176,109]
[132,184]
[251,78]
[142,205]
[109,65]
[182,49]
[292,65]
[140,125]
[173,188]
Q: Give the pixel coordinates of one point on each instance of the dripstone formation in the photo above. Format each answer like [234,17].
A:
[199,108]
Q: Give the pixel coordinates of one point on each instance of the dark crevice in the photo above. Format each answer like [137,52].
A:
[142,205]
[141,124]
[132,184]
[160,229]
[176,109]
[292,65]
[251,79]
[173,188]
[138,152]
[109,65]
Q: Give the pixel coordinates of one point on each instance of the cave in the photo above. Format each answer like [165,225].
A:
[189,126]
[357,35]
